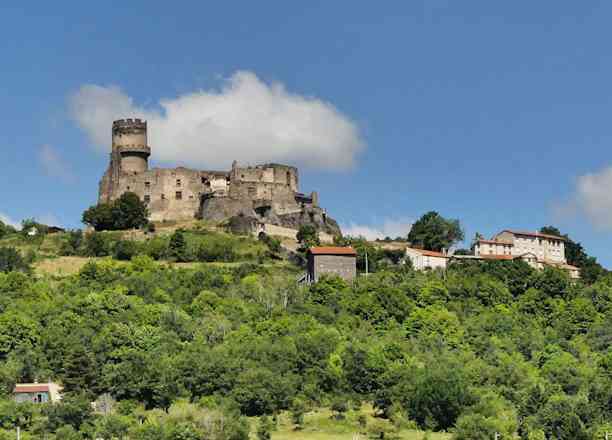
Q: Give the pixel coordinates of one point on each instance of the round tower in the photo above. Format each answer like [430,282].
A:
[130,144]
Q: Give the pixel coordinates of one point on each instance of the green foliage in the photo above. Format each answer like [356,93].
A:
[127,212]
[177,248]
[6,230]
[187,351]
[434,232]
[11,260]
[308,236]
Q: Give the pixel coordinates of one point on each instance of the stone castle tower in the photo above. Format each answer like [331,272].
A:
[267,193]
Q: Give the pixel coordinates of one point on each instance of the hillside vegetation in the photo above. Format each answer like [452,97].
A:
[198,334]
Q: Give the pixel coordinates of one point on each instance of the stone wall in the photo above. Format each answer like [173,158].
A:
[345,266]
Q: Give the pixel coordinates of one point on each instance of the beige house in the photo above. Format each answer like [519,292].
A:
[422,259]
[37,392]
[537,249]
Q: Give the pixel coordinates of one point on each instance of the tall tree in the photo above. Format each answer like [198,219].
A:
[434,232]
[127,212]
[590,269]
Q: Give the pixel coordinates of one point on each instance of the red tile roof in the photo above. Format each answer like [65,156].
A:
[535,234]
[429,253]
[31,388]
[332,250]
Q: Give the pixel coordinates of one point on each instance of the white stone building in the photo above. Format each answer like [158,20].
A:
[537,249]
[422,259]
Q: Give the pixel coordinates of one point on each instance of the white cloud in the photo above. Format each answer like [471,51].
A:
[54,165]
[9,221]
[593,198]
[389,228]
[245,120]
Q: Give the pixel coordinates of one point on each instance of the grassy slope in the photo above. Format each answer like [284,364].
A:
[320,425]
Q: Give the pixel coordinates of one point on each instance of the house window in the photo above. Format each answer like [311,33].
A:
[147,185]
[147,198]
[179,195]
[178,182]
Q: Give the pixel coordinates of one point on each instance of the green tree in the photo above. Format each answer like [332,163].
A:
[127,212]
[6,229]
[434,232]
[308,237]
[177,248]
[11,260]
[590,269]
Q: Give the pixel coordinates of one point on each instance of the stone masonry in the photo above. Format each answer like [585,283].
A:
[268,193]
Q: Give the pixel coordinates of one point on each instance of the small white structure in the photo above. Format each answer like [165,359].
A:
[37,392]
[422,259]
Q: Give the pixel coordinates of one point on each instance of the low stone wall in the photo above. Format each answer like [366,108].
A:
[281,231]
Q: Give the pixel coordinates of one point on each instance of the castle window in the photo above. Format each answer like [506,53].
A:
[178,182]
[128,188]
[147,185]
[163,197]
[179,195]
[147,198]
[252,191]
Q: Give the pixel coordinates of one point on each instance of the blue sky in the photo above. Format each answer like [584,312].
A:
[496,113]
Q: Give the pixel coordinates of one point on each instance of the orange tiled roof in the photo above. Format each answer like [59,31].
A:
[429,253]
[332,250]
[31,388]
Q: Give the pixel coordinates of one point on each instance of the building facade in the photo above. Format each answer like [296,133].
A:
[268,192]
[422,259]
[537,249]
[331,260]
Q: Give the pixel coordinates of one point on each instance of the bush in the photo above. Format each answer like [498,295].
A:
[125,250]
[12,261]
[97,245]
[177,248]
[73,243]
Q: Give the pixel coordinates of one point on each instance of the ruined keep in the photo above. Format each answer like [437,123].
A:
[266,193]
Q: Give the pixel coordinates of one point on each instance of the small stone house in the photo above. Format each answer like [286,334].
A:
[37,392]
[331,260]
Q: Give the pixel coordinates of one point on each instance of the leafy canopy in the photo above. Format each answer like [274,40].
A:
[434,232]
[127,212]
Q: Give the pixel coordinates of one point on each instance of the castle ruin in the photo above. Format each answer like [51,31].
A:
[265,194]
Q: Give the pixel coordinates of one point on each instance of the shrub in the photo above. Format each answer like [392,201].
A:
[125,250]
[12,261]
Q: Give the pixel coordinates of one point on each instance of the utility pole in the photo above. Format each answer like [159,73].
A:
[366,263]
[18,433]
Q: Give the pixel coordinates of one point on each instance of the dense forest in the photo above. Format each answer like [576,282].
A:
[227,344]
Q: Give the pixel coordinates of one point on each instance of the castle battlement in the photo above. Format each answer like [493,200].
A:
[129,123]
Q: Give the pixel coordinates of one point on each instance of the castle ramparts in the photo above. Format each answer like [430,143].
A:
[268,193]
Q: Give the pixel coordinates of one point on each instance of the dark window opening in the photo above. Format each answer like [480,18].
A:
[163,197]
[178,182]
[147,198]
[179,195]
[147,185]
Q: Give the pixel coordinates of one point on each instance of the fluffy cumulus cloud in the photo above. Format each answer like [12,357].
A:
[592,198]
[389,228]
[54,165]
[246,120]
